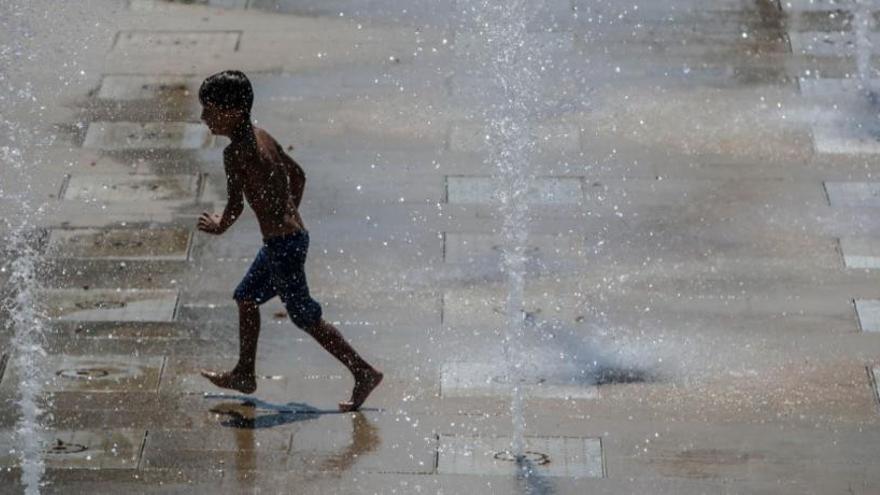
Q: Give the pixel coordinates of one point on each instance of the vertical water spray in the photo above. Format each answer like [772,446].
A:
[27,344]
[863,23]
[504,39]
[19,145]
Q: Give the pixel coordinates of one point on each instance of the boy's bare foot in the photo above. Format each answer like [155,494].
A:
[364,383]
[245,383]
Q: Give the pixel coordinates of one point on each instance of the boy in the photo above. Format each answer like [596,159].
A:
[257,169]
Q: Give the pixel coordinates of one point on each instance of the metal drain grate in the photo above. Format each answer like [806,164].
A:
[548,456]
[60,447]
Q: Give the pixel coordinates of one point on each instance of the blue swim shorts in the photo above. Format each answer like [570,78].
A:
[279,270]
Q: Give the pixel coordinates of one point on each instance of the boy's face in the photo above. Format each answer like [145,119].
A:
[221,121]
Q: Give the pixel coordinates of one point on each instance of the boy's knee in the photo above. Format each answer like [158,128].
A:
[305,314]
[246,304]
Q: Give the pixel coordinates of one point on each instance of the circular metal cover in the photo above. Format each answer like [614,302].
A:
[536,458]
[61,448]
[87,373]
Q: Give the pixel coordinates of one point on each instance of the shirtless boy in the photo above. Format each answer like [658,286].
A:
[258,169]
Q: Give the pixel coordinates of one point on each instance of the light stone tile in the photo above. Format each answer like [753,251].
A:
[853,194]
[543,190]
[110,304]
[860,252]
[459,379]
[215,439]
[795,6]
[549,137]
[868,311]
[105,449]
[171,5]
[126,87]
[106,373]
[548,456]
[845,139]
[121,244]
[468,248]
[876,372]
[119,136]
[466,308]
[834,90]
[472,45]
[130,188]
[822,43]
[162,42]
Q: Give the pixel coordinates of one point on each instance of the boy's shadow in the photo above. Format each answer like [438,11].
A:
[248,412]
[244,414]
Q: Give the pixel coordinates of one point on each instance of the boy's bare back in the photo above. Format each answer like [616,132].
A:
[272,182]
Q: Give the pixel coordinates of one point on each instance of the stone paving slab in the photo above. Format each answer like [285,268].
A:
[100,373]
[92,450]
[486,248]
[128,188]
[834,90]
[111,304]
[853,194]
[868,311]
[545,190]
[121,244]
[846,139]
[125,87]
[860,252]
[816,5]
[826,44]
[147,136]
[549,137]
[170,5]
[163,42]
[462,379]
[551,457]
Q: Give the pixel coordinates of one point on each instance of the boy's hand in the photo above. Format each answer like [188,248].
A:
[210,223]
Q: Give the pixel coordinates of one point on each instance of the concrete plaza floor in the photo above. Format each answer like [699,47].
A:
[703,285]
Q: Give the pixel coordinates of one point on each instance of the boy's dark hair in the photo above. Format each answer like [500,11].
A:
[229,90]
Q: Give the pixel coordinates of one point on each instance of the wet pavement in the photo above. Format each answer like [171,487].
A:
[703,305]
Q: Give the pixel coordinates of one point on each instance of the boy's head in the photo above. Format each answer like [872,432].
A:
[226,99]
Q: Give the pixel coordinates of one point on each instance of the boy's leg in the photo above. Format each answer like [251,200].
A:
[248,335]
[255,289]
[288,267]
[366,378]
[243,377]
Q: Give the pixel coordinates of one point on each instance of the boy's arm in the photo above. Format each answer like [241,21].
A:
[217,224]
[296,177]
[235,203]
